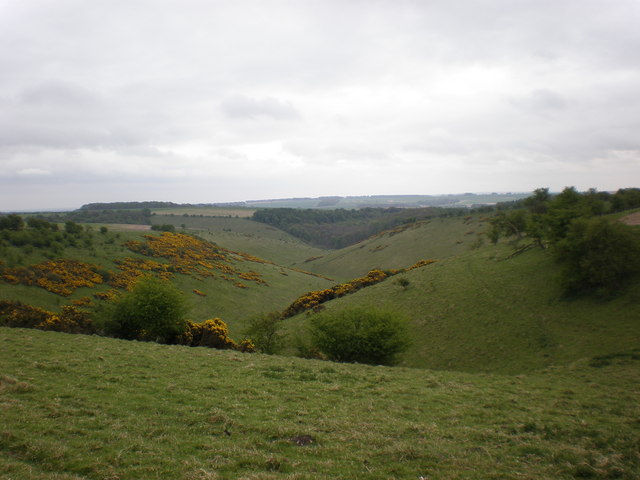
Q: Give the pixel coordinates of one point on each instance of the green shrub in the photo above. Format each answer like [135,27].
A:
[362,335]
[154,310]
[264,330]
[598,257]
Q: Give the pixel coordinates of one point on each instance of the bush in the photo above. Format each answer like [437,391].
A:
[154,310]
[264,332]
[362,335]
[598,257]
[212,333]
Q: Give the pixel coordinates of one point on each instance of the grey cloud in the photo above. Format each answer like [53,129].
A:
[206,85]
[242,106]
[62,94]
[539,101]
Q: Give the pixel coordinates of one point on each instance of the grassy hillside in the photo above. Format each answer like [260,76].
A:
[245,235]
[484,312]
[403,246]
[234,299]
[78,407]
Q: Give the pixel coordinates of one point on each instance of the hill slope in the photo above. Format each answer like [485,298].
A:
[218,282]
[78,407]
[246,235]
[481,311]
[403,246]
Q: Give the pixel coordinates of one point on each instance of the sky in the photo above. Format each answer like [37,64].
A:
[205,101]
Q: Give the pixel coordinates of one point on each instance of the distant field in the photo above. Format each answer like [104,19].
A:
[206,211]
[125,226]
[386,201]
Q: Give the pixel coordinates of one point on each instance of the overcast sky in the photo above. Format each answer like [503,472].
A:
[213,101]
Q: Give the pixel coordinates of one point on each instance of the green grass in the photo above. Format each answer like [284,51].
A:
[234,305]
[245,235]
[105,248]
[483,312]
[437,238]
[81,407]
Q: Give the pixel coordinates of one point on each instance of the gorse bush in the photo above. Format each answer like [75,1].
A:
[69,320]
[213,333]
[361,335]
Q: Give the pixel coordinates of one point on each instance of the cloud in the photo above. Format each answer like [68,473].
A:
[33,172]
[540,101]
[322,96]
[241,106]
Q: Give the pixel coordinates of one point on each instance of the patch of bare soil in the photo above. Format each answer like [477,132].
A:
[633,219]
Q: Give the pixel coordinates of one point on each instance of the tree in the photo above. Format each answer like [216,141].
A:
[512,224]
[598,257]
[264,331]
[72,228]
[11,222]
[362,335]
[537,203]
[154,310]
[566,207]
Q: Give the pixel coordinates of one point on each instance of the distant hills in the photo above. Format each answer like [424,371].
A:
[462,200]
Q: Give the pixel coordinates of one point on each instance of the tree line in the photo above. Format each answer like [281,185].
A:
[599,255]
[339,228]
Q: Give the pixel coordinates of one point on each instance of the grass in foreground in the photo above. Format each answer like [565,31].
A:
[79,407]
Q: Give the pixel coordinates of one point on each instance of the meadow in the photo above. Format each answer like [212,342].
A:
[84,407]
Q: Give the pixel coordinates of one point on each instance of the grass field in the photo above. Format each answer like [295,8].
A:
[206,211]
[78,407]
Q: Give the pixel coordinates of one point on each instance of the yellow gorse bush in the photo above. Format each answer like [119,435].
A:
[212,333]
[193,256]
[69,320]
[62,277]
[183,253]
[313,299]
[132,269]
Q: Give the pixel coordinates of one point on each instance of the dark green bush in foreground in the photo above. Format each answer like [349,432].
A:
[361,335]
[154,310]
